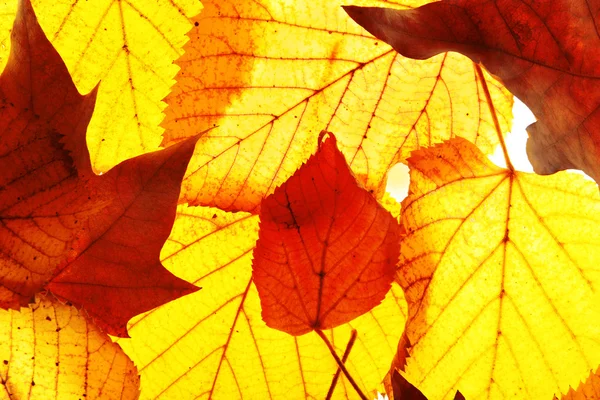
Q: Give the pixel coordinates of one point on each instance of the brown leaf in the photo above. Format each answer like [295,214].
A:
[97,239]
[545,52]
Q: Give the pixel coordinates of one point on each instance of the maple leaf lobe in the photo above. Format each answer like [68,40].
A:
[97,239]
[326,251]
[42,126]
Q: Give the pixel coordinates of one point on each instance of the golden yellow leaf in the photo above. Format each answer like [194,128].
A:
[130,46]
[499,269]
[588,390]
[268,75]
[214,343]
[50,351]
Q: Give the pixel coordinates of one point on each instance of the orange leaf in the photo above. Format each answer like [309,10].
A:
[97,238]
[546,52]
[50,351]
[588,390]
[327,251]
[500,270]
[266,77]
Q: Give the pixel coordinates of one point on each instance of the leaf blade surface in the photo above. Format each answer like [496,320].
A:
[499,269]
[266,79]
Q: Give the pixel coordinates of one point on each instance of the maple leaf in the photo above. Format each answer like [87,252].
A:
[129,45]
[588,390]
[51,351]
[545,52]
[96,239]
[217,345]
[267,77]
[499,268]
[327,251]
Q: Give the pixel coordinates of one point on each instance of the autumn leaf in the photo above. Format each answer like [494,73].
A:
[588,390]
[267,77]
[97,239]
[327,251]
[404,390]
[130,46]
[499,268]
[545,52]
[214,343]
[50,351]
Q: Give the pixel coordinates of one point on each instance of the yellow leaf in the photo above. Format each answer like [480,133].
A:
[130,46]
[588,390]
[214,344]
[50,351]
[499,269]
[268,75]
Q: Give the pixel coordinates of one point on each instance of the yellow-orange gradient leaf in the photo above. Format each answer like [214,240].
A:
[216,345]
[268,76]
[588,390]
[499,269]
[130,46]
[50,351]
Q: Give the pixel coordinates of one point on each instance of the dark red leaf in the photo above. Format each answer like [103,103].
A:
[327,251]
[546,52]
[95,239]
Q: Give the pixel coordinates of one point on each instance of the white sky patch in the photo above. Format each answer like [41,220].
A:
[398,179]
[516,140]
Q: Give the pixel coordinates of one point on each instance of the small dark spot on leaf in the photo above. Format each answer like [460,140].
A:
[5,362]
[196,23]
[48,318]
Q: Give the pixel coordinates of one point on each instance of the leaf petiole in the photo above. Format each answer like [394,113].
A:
[341,365]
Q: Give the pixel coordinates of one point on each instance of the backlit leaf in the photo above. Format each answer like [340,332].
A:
[588,390]
[214,344]
[97,238]
[404,390]
[130,46]
[268,76]
[327,251]
[499,269]
[546,52]
[50,351]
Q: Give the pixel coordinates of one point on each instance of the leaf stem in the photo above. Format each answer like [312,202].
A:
[341,365]
[344,358]
[488,97]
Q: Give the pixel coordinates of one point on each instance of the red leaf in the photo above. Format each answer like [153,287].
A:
[546,52]
[327,251]
[96,238]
